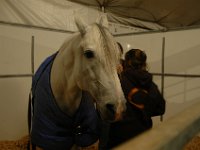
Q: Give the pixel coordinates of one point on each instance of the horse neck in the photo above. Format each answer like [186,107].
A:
[63,82]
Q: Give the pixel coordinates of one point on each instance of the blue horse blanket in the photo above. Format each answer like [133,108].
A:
[52,129]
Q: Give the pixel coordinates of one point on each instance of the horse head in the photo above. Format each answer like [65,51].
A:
[96,68]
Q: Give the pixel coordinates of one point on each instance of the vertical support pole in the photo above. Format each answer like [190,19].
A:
[30,94]
[162,70]
[32,54]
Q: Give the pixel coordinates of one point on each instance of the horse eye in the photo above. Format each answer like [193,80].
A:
[89,54]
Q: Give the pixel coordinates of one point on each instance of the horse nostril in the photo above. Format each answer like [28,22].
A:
[111,108]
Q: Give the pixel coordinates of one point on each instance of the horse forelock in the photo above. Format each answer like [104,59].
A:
[109,53]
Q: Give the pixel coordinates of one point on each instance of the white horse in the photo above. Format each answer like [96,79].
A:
[65,88]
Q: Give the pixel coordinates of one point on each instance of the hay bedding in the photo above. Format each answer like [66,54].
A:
[21,144]
[193,144]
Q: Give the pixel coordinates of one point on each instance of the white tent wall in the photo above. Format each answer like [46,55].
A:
[181,57]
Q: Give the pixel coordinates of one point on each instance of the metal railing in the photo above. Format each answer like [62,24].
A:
[172,134]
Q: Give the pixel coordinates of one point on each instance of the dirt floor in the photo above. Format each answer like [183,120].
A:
[22,143]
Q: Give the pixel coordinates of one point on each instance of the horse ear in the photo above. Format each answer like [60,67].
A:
[81,25]
[103,20]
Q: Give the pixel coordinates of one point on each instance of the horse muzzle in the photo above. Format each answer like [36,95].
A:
[112,112]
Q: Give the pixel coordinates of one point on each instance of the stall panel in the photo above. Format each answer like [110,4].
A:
[182,52]
[180,93]
[13,107]
[15,54]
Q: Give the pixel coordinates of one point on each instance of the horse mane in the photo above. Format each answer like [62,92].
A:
[109,46]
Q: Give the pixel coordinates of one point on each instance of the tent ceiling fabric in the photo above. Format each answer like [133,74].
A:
[147,15]
[52,14]
[167,14]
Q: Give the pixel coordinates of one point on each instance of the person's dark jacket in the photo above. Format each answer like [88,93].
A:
[137,120]
[148,93]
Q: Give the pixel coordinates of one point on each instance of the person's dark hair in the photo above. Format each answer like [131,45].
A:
[135,58]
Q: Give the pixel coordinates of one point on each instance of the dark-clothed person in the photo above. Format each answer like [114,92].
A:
[144,99]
